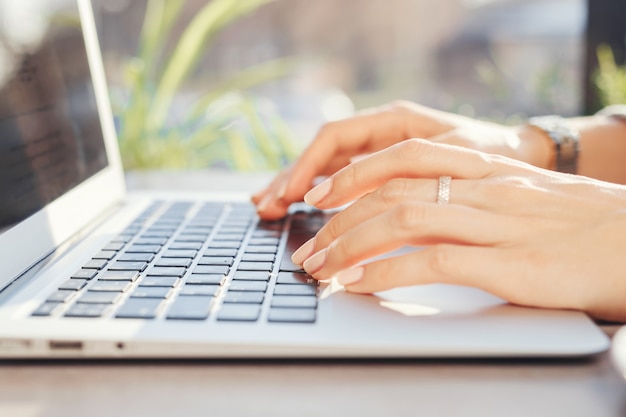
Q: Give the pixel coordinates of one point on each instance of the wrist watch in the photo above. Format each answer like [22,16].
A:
[566,140]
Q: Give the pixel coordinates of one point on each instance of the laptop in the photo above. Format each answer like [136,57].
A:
[90,271]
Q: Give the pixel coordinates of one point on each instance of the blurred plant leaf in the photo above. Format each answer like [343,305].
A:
[209,21]
[247,78]
[610,79]
[225,127]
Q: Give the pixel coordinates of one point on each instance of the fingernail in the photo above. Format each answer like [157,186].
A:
[303,252]
[350,276]
[318,193]
[264,203]
[283,190]
[315,262]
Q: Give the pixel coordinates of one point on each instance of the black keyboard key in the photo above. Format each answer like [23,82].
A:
[73,284]
[123,238]
[294,301]
[162,271]
[267,233]
[289,289]
[114,246]
[190,308]
[251,276]
[294,241]
[248,286]
[110,286]
[211,269]
[150,241]
[239,312]
[158,233]
[139,308]
[262,241]
[177,262]
[87,310]
[244,297]
[118,276]
[220,252]
[216,260]
[292,315]
[295,278]
[205,279]
[95,264]
[143,249]
[258,257]
[84,274]
[151,292]
[255,266]
[61,296]
[235,237]
[46,309]
[262,249]
[287,266]
[136,257]
[234,229]
[270,225]
[195,237]
[186,245]
[224,244]
[105,254]
[159,282]
[180,253]
[127,266]
[95,297]
[208,290]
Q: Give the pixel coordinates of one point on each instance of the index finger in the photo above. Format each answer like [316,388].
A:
[414,158]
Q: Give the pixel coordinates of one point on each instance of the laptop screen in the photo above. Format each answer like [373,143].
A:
[50,135]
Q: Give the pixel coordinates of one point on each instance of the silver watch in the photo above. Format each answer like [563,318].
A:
[566,140]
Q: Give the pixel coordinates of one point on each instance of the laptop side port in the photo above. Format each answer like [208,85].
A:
[66,345]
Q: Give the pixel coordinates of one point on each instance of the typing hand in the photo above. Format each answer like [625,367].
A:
[337,143]
[531,236]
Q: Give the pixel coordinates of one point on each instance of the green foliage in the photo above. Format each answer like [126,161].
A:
[225,126]
[610,78]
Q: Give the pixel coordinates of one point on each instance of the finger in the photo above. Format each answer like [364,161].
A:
[481,267]
[503,272]
[338,141]
[269,207]
[414,158]
[413,224]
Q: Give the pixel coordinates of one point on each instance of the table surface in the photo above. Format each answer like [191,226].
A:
[590,387]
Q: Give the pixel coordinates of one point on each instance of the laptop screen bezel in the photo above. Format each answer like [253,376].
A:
[33,239]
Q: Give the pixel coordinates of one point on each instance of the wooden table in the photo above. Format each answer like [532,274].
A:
[589,388]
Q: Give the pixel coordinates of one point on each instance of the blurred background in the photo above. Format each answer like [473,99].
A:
[245,84]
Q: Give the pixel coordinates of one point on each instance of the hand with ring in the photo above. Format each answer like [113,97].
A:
[338,143]
[531,236]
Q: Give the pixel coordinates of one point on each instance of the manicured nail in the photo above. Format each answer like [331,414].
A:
[318,193]
[315,262]
[265,203]
[350,276]
[282,191]
[303,252]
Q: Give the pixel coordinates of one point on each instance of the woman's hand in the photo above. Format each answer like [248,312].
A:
[533,237]
[339,142]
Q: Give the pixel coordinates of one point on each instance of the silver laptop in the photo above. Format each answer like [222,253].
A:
[87,271]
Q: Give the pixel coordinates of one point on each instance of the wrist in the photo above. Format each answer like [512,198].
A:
[536,147]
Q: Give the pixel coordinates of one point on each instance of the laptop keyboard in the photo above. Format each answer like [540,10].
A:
[189,261]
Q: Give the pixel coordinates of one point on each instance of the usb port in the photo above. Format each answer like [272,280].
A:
[65,345]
